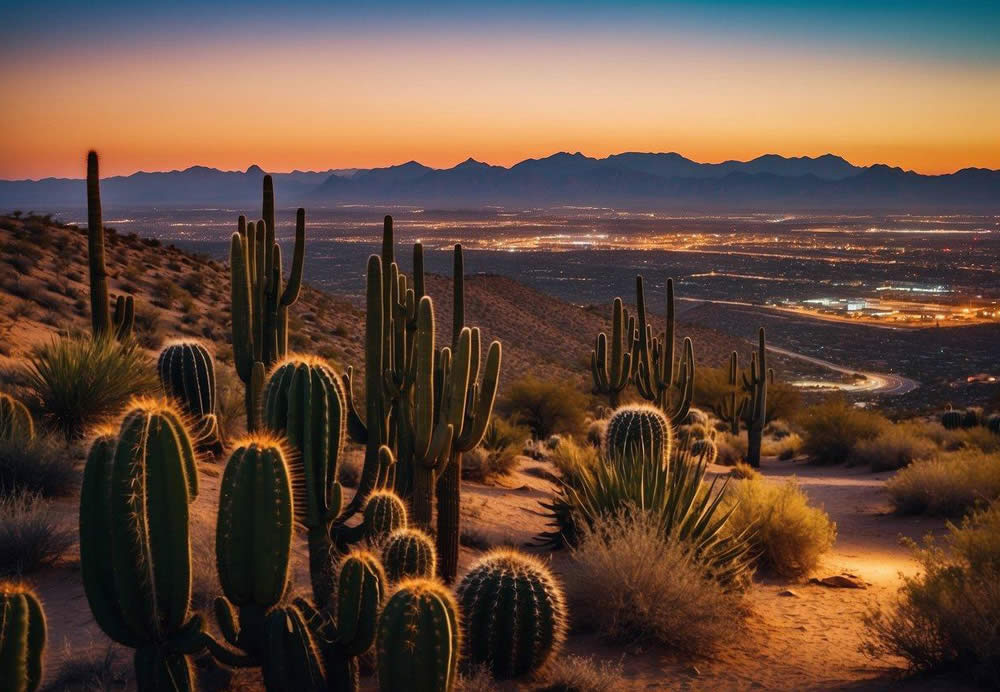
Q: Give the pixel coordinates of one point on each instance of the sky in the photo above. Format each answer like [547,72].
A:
[318,85]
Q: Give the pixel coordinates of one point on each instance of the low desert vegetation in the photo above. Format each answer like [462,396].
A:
[895,447]
[80,382]
[31,535]
[949,485]
[581,674]
[833,429]
[781,445]
[651,588]
[37,466]
[498,452]
[789,534]
[546,407]
[945,618]
[573,459]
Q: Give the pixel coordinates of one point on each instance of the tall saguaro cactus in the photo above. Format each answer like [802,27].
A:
[658,380]
[611,363]
[120,325]
[755,410]
[731,406]
[259,303]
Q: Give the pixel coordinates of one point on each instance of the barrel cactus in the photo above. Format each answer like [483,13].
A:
[972,417]
[514,614]
[408,553]
[135,551]
[705,450]
[993,423]
[384,513]
[187,374]
[16,424]
[951,419]
[638,430]
[253,540]
[22,638]
[418,639]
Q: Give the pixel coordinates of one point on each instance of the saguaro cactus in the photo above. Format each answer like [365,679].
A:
[611,365]
[409,553]
[755,410]
[656,378]
[135,552]
[259,303]
[22,638]
[418,639]
[638,430]
[16,424]
[471,406]
[100,310]
[514,614]
[187,374]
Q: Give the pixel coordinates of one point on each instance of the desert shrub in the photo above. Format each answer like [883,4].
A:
[789,535]
[834,428]
[949,485]
[945,618]
[580,674]
[731,448]
[93,670]
[81,381]
[595,431]
[501,433]
[31,536]
[744,470]
[36,466]
[634,584]
[894,448]
[481,464]
[545,406]
[573,459]
[784,445]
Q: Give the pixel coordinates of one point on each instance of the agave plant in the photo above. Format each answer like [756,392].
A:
[676,494]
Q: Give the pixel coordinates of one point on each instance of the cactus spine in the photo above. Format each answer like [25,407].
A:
[656,378]
[22,638]
[16,424]
[100,312]
[755,410]
[135,552]
[418,639]
[612,369]
[638,431]
[409,553]
[187,374]
[259,304]
[514,614]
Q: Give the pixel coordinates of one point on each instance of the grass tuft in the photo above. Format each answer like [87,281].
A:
[31,536]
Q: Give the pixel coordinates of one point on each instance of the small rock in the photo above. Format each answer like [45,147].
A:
[789,593]
[840,581]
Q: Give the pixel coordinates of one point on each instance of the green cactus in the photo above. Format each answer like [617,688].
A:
[667,387]
[705,450]
[124,316]
[292,661]
[471,407]
[418,640]
[304,401]
[22,638]
[514,614]
[16,424]
[993,423]
[731,407]
[259,304]
[973,417]
[409,553]
[253,541]
[951,419]
[135,552]
[638,429]
[187,374]
[755,409]
[612,369]
[384,513]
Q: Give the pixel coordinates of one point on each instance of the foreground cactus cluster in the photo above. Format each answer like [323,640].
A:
[22,638]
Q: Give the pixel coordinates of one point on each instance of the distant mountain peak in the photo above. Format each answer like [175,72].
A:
[255,170]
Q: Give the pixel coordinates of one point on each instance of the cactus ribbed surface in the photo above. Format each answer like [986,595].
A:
[705,450]
[22,638]
[951,420]
[972,417]
[259,304]
[640,431]
[666,385]
[135,552]
[611,364]
[187,374]
[100,309]
[384,513]
[408,553]
[755,410]
[292,662]
[419,639]
[514,614]
[16,424]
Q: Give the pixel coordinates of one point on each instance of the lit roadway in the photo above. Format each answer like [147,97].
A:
[875,382]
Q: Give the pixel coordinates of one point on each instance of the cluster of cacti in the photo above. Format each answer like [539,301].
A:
[971,417]
[22,638]
[187,375]
[751,407]
[951,419]
[135,553]
[514,614]
[16,423]
[409,553]
[419,640]
[638,431]
[639,355]
[259,303]
[104,323]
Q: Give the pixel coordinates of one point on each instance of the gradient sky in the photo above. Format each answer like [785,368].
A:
[316,85]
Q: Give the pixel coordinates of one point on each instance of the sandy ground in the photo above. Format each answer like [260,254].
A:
[805,641]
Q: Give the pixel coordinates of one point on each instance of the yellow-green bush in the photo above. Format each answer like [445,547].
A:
[545,406]
[833,429]
[573,459]
[895,447]
[790,535]
[949,485]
